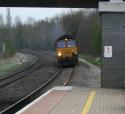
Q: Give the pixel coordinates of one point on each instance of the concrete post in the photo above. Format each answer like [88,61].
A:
[113,43]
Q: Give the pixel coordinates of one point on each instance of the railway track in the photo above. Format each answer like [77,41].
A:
[21,70]
[70,77]
[22,73]
[29,98]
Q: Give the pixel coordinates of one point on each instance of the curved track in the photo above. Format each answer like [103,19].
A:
[29,98]
[22,73]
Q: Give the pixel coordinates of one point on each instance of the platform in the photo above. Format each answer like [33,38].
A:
[73,100]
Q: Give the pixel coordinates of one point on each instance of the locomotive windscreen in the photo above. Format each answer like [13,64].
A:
[68,43]
[71,43]
[61,44]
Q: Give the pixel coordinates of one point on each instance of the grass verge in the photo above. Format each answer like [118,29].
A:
[15,63]
[91,59]
[8,68]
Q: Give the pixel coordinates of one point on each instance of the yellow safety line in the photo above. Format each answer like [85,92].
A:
[89,102]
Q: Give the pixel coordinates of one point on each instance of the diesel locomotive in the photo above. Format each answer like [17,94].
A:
[67,50]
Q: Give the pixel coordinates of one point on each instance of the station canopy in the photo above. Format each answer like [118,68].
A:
[51,3]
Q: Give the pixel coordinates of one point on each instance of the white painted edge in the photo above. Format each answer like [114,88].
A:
[84,61]
[89,64]
[66,88]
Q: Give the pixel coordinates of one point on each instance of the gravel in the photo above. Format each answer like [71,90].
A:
[20,89]
[85,75]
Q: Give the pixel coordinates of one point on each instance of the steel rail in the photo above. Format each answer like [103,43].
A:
[30,97]
[26,100]
[69,79]
[19,71]
[21,74]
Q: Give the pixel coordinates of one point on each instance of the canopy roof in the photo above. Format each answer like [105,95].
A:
[51,3]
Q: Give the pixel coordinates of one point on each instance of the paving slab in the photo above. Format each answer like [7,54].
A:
[77,100]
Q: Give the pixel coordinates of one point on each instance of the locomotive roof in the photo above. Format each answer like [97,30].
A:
[65,36]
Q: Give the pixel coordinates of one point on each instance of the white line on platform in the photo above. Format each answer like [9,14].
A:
[66,88]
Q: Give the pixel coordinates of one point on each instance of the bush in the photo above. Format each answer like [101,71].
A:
[9,49]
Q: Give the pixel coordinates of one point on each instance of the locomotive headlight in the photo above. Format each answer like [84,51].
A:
[65,39]
[59,54]
[75,52]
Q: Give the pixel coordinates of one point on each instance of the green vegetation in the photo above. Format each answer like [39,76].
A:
[9,49]
[12,64]
[84,24]
[91,59]
[96,39]
[8,67]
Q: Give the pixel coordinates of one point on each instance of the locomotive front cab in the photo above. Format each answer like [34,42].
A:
[67,52]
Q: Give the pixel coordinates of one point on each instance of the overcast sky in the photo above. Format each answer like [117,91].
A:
[36,13]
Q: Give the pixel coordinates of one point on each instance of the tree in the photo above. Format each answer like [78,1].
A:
[84,24]
[18,33]
[1,21]
[8,49]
